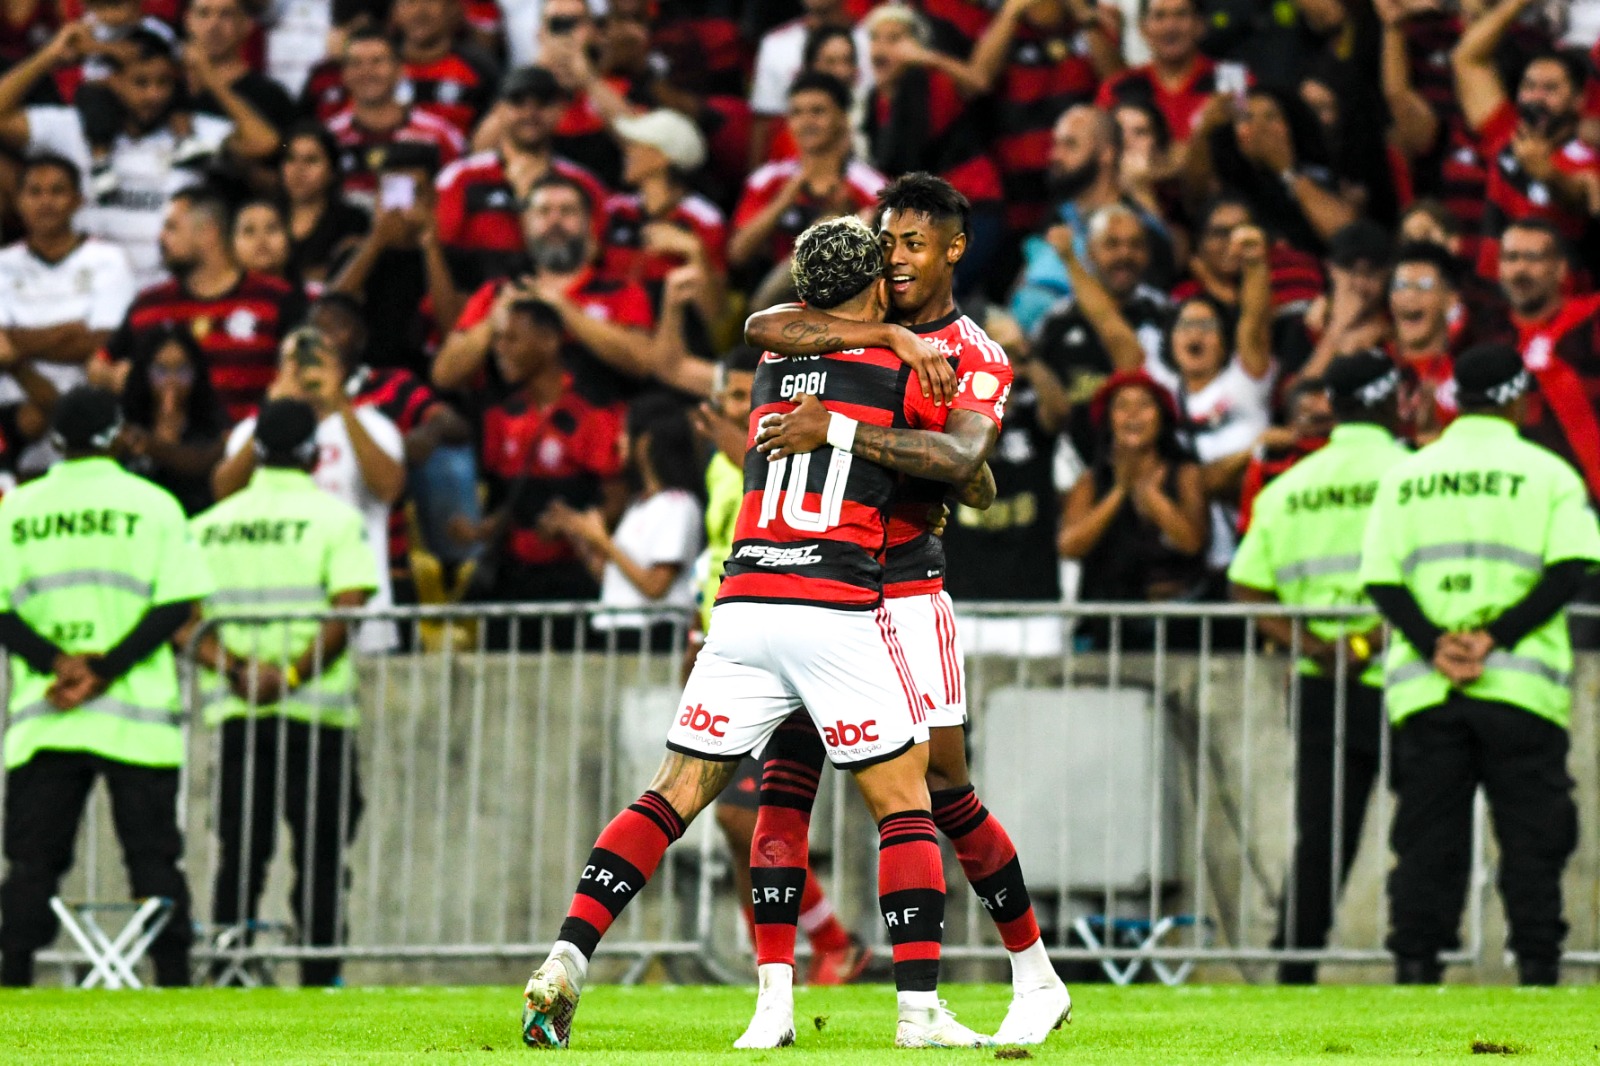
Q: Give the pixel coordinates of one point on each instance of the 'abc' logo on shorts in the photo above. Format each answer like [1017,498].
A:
[701,720]
[847,734]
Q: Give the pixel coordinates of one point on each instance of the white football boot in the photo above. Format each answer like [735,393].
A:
[549,1002]
[1034,1014]
[773,1024]
[935,1027]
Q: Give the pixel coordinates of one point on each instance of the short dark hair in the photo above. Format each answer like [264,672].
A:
[1302,388]
[560,181]
[1218,202]
[1575,65]
[1437,213]
[1144,7]
[204,200]
[673,456]
[922,193]
[539,313]
[371,33]
[821,36]
[137,46]
[814,81]
[1544,226]
[1426,253]
[51,161]
[742,358]
[1159,127]
[835,261]
[350,306]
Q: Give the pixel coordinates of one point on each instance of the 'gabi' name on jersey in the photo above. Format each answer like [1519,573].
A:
[812,528]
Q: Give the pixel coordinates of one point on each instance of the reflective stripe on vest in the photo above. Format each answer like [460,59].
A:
[74,578]
[1496,660]
[277,594]
[1471,551]
[1318,567]
[114,708]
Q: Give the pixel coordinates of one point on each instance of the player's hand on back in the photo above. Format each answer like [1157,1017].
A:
[805,429]
[933,370]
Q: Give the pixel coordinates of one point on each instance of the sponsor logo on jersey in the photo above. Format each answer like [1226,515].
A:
[769,555]
[701,720]
[848,734]
[241,324]
[985,385]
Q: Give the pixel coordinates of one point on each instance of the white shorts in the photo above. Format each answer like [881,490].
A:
[927,628]
[763,661]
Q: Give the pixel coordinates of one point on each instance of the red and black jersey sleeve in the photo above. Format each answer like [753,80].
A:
[458,87]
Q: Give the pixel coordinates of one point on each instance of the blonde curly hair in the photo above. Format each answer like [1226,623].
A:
[835,260]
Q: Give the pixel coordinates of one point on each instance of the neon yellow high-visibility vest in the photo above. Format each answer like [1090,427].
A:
[87,550]
[724,494]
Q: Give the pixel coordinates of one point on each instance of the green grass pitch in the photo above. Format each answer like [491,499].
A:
[683,1026]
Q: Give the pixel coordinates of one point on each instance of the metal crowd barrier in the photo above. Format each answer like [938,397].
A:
[1141,756]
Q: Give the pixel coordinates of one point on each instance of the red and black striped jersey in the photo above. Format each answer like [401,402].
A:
[813,527]
[1181,106]
[458,87]
[862,185]
[361,149]
[1513,195]
[477,207]
[1297,279]
[1563,354]
[1046,72]
[914,562]
[404,399]
[626,256]
[924,123]
[323,95]
[239,332]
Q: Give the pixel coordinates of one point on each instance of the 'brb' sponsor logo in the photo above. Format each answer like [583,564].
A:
[701,720]
[848,735]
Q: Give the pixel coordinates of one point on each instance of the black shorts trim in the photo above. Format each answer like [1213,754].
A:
[874,760]
[735,757]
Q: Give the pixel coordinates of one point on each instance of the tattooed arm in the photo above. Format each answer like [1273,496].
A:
[955,456]
[793,330]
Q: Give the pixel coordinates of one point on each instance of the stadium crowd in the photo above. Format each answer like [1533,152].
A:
[532,230]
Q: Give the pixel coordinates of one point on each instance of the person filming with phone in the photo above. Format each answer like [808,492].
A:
[1538,168]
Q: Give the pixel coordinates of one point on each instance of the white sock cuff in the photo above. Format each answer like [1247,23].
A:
[917,1001]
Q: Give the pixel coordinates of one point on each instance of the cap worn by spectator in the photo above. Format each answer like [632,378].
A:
[286,431]
[1365,378]
[1100,406]
[534,83]
[86,419]
[1490,375]
[670,133]
[1362,241]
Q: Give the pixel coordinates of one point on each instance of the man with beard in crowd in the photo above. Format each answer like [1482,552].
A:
[1086,146]
[608,349]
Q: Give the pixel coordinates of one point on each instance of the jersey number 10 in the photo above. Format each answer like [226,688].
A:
[798,471]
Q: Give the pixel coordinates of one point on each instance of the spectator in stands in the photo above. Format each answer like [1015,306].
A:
[441,469]
[360,456]
[144,167]
[400,271]
[260,240]
[454,82]
[238,317]
[1422,294]
[1223,379]
[1268,149]
[1354,315]
[64,294]
[542,443]
[570,48]
[1113,321]
[1307,423]
[823,179]
[320,86]
[1364,165]
[665,224]
[1538,168]
[1481,312]
[480,196]
[1147,160]
[1136,521]
[609,350]
[648,562]
[218,30]
[173,425]
[1559,336]
[323,225]
[376,117]
[1083,178]
[1178,79]
[918,119]
[781,56]
[829,50]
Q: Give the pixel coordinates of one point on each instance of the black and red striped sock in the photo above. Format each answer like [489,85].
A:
[911,896]
[623,859]
[780,849]
[989,860]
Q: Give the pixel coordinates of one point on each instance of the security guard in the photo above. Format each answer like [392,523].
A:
[96,576]
[284,693]
[1303,549]
[1475,546]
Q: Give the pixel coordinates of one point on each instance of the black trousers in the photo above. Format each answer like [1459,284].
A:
[1310,896]
[1442,755]
[45,798]
[320,798]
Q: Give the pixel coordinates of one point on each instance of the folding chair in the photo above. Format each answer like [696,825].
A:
[113,958]
[232,964]
[1143,934]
